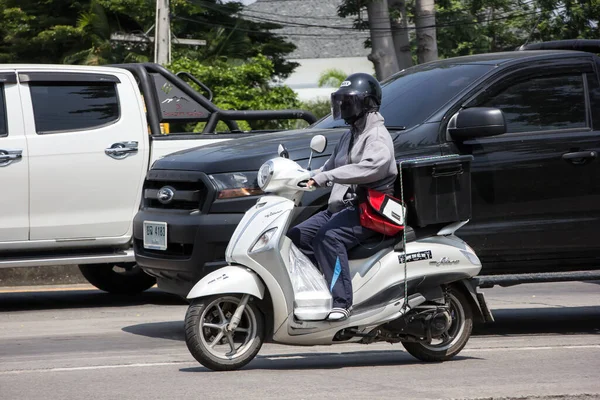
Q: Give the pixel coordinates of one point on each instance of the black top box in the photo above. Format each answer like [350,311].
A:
[436,189]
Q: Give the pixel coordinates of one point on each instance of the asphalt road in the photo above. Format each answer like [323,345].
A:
[85,344]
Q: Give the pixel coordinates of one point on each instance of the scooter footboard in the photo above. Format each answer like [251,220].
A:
[230,279]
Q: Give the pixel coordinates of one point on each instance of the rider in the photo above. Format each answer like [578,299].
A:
[364,156]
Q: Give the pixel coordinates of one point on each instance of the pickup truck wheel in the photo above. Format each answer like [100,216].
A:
[117,278]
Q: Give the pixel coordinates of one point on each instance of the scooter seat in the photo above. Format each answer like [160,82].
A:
[376,244]
[372,246]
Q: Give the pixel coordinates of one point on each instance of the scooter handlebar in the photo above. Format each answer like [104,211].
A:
[304,185]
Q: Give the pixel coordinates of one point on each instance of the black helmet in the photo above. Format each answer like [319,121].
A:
[358,94]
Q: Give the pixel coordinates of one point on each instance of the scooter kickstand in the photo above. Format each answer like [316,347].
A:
[237,315]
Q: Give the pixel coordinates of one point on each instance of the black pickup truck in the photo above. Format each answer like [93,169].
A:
[530,118]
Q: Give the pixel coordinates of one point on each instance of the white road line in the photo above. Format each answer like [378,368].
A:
[284,357]
[95,367]
[583,346]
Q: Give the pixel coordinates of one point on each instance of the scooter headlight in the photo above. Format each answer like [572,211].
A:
[263,240]
[264,175]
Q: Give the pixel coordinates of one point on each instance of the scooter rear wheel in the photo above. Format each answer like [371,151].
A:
[211,344]
[453,341]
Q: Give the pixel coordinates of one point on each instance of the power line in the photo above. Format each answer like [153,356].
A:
[314,35]
[288,24]
[246,11]
[295,24]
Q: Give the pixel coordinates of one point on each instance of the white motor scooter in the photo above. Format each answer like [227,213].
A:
[422,297]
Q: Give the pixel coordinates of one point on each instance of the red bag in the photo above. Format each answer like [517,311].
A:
[382,213]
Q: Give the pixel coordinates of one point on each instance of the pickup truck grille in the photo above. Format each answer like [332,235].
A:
[179,190]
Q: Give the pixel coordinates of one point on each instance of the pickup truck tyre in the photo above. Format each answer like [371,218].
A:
[117,278]
[457,336]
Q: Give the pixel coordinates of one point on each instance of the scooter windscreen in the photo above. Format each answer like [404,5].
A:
[345,105]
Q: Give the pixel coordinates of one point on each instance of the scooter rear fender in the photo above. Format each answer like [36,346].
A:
[230,279]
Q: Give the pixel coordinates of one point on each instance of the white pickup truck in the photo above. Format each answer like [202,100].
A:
[75,145]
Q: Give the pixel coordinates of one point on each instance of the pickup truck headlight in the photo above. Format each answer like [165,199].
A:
[236,184]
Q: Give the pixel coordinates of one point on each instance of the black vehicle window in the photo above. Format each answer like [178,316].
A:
[73,106]
[3,124]
[541,104]
[411,96]
[594,89]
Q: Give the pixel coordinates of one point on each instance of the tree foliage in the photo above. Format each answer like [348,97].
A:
[332,77]
[479,26]
[242,87]
[66,31]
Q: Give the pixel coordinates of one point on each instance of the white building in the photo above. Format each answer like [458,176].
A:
[323,41]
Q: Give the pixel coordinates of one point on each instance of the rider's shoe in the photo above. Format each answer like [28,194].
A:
[339,314]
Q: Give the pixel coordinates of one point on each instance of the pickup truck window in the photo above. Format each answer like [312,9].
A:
[542,103]
[594,89]
[3,127]
[60,107]
[411,96]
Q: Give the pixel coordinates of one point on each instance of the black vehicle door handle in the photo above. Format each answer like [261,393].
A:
[579,157]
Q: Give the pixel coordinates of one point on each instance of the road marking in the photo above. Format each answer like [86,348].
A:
[94,367]
[282,357]
[41,289]
[582,346]
[52,288]
[292,357]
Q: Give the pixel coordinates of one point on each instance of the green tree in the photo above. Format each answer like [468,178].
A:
[246,86]
[567,19]
[22,22]
[57,31]
[332,77]
[479,26]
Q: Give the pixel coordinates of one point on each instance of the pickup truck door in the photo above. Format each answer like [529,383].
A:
[536,189]
[14,169]
[88,145]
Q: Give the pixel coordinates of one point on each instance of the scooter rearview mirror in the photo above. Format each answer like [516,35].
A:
[282,151]
[317,144]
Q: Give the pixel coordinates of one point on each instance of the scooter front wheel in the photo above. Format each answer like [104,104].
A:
[209,338]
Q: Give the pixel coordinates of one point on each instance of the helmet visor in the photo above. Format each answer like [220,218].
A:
[345,105]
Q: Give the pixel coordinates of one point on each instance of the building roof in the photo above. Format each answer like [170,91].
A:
[313,26]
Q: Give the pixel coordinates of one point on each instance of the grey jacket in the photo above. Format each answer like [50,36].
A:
[371,162]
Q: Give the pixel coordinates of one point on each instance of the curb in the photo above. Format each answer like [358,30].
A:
[36,276]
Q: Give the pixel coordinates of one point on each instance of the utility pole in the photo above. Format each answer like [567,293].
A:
[162,33]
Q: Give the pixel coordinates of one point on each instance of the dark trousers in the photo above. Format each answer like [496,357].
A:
[326,238]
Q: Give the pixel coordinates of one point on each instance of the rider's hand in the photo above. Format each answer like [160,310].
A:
[311,183]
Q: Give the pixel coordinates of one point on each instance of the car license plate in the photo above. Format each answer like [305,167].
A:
[155,235]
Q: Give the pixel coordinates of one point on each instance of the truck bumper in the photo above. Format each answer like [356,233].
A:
[195,247]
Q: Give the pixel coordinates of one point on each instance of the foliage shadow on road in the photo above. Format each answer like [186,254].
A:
[351,359]
[28,301]
[555,320]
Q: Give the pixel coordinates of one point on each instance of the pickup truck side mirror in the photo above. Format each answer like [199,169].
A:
[476,122]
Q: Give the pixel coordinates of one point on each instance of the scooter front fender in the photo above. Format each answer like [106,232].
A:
[231,279]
